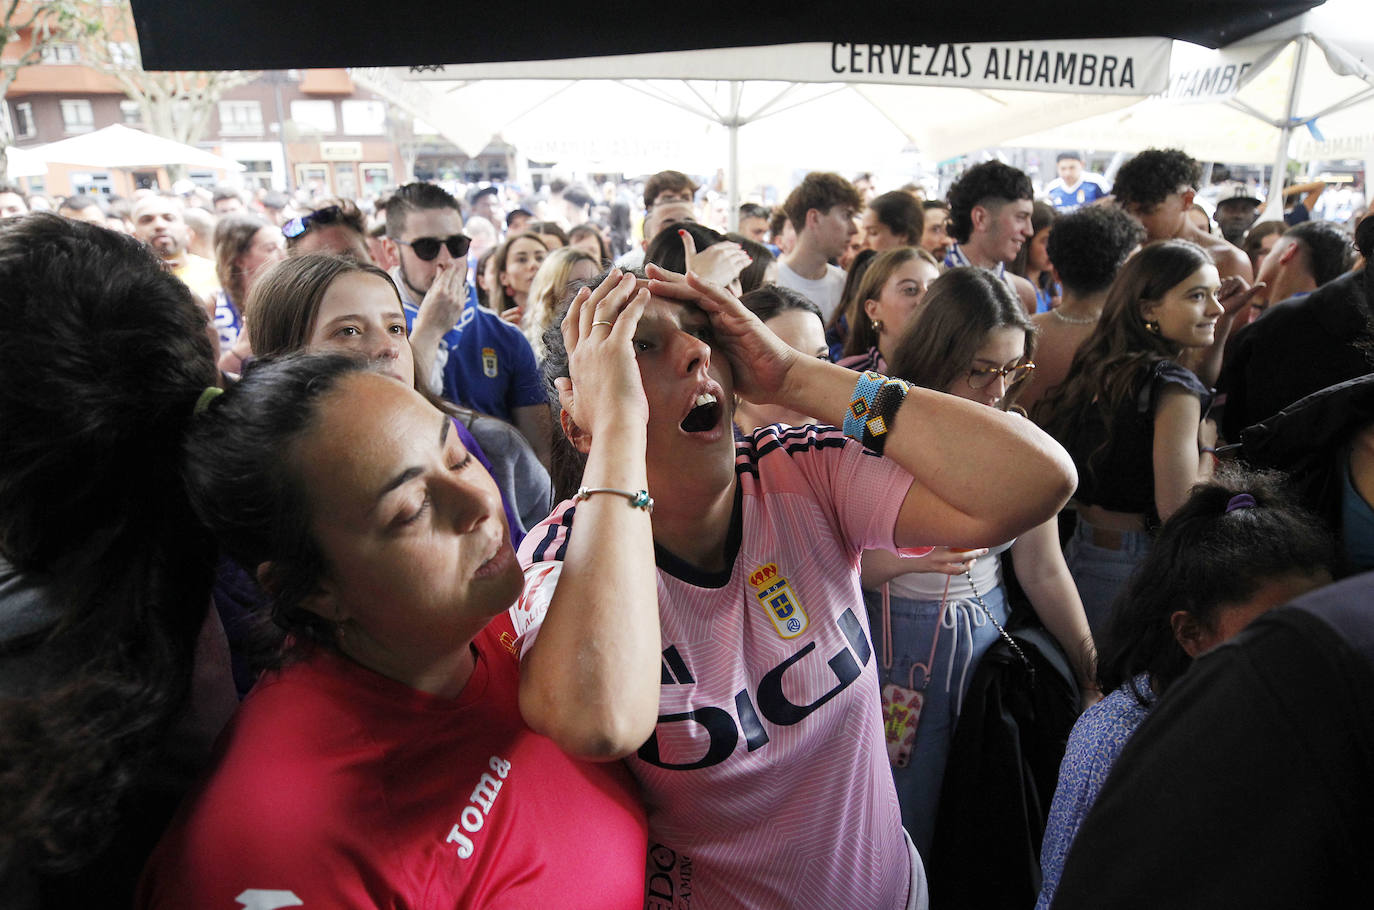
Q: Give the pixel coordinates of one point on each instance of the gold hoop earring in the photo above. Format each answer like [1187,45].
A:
[1152,327]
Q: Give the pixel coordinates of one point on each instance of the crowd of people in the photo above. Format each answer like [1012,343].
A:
[928,552]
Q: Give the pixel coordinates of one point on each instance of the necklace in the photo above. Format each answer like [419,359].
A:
[1073,320]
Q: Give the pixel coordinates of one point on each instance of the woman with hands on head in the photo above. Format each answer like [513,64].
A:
[934,617]
[386,761]
[755,709]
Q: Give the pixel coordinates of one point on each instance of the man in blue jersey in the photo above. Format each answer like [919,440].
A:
[1074,188]
[469,354]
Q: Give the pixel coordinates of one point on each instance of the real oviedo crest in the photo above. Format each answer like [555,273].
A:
[489,366]
[778,601]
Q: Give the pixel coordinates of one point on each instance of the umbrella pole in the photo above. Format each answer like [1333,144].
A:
[1273,211]
[732,177]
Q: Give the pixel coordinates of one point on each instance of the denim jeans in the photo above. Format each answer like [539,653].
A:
[965,637]
[1100,573]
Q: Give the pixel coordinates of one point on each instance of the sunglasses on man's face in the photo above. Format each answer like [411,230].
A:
[428,247]
[298,226]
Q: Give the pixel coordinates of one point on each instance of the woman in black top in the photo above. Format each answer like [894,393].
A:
[1132,416]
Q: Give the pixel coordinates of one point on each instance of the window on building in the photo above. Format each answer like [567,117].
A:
[376,177]
[77,116]
[24,127]
[364,118]
[123,54]
[131,113]
[314,116]
[240,118]
[60,53]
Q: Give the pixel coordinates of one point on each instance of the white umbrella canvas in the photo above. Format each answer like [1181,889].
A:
[124,148]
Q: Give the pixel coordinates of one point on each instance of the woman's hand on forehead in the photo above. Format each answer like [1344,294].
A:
[598,332]
[758,359]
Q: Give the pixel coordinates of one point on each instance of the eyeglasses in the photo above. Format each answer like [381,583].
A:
[298,226]
[983,377]
[426,248]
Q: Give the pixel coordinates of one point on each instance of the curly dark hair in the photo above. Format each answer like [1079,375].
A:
[1089,246]
[1203,559]
[103,355]
[1330,252]
[986,184]
[1153,175]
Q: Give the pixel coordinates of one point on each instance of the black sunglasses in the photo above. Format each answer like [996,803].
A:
[428,247]
[298,226]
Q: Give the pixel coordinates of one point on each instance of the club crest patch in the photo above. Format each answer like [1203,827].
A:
[778,601]
[489,365]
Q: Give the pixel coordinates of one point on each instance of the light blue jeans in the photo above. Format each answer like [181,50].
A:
[964,638]
[1100,573]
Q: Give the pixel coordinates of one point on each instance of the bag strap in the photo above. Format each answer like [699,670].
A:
[934,640]
[1016,649]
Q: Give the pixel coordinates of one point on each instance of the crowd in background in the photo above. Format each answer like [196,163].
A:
[1114,427]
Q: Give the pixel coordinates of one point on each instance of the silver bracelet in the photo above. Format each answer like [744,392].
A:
[639,499]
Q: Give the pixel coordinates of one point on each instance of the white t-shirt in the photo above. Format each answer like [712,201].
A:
[986,572]
[823,292]
[766,779]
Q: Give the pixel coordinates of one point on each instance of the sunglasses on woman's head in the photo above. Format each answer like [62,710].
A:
[428,247]
[298,226]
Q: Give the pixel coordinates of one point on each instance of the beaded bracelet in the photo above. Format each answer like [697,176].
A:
[639,499]
[873,407]
[861,403]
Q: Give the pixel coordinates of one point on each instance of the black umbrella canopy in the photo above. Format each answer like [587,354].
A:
[214,34]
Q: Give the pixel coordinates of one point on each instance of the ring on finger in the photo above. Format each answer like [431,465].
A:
[602,322]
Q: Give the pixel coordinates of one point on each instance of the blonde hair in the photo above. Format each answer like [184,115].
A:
[546,292]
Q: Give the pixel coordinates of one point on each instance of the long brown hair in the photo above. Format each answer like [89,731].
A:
[234,235]
[1107,368]
[499,299]
[285,300]
[862,334]
[961,307]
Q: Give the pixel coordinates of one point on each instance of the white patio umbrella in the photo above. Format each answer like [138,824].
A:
[23,163]
[841,106]
[1303,89]
[120,147]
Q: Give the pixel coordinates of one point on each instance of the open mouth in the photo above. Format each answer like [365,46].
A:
[705,414]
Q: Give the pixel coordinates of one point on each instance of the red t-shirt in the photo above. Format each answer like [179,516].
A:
[338,787]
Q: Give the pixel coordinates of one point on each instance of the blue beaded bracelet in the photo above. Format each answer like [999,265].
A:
[861,403]
[639,499]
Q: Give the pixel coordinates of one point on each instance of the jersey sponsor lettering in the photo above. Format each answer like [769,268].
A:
[667,879]
[474,815]
[768,703]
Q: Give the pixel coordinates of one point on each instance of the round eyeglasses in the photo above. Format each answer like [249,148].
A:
[982,377]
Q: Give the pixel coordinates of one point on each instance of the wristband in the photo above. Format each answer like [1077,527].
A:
[861,403]
[1209,450]
[885,405]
